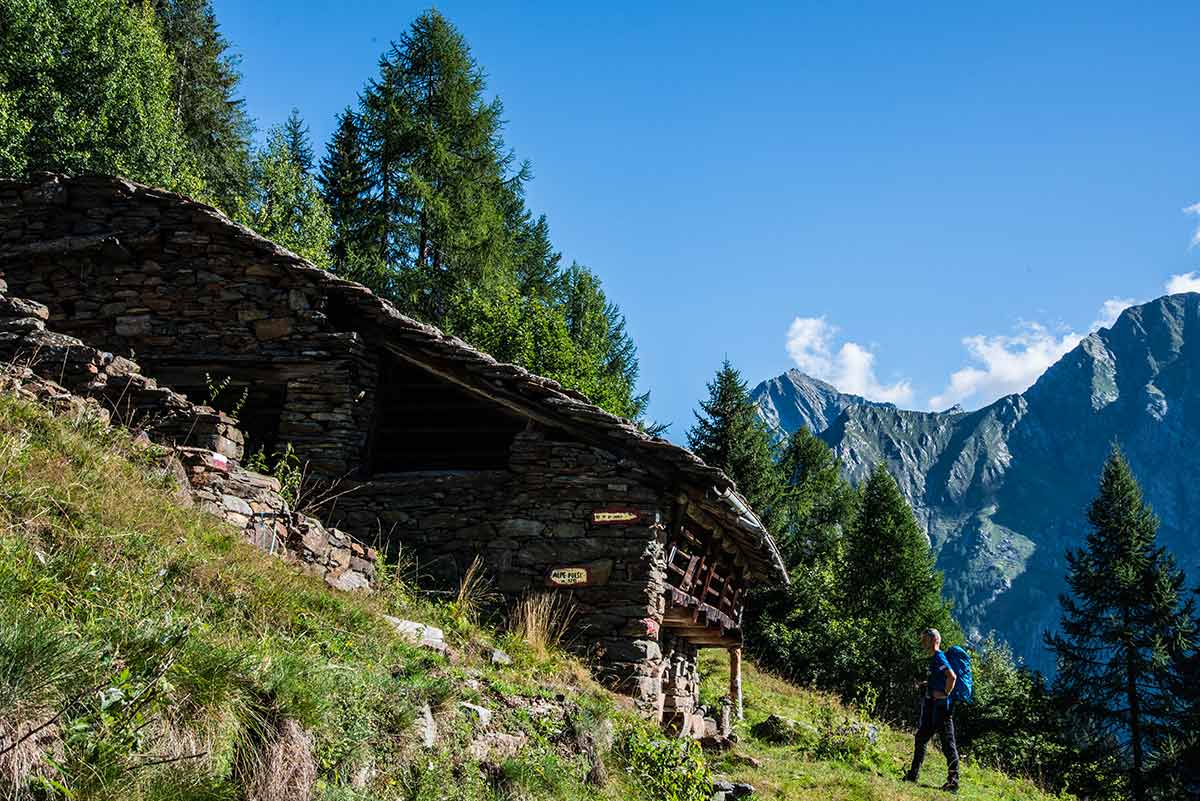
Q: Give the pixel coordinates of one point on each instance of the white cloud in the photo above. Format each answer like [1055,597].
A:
[1194,209]
[1008,364]
[850,368]
[1110,310]
[1184,282]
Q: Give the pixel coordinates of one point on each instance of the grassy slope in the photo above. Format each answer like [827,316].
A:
[794,773]
[140,632]
[161,635]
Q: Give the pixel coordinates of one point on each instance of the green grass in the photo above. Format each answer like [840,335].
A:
[165,659]
[829,768]
[156,657]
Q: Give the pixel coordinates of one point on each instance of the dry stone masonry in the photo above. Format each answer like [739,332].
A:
[425,445]
[73,378]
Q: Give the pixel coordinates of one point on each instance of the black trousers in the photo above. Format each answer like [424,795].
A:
[936,717]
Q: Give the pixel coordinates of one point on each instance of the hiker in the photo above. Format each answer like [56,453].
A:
[936,714]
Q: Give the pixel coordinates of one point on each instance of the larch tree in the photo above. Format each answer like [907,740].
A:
[439,167]
[1124,618]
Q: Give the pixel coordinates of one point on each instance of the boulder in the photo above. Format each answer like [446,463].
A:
[782,731]
[430,637]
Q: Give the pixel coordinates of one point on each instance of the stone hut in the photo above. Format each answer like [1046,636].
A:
[434,447]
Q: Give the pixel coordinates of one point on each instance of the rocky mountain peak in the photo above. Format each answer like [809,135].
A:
[1003,490]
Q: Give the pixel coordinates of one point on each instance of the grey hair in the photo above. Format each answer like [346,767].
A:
[934,633]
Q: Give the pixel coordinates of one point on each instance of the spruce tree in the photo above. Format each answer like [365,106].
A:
[788,627]
[1123,619]
[606,354]
[817,501]
[346,189]
[204,94]
[729,434]
[295,133]
[890,591]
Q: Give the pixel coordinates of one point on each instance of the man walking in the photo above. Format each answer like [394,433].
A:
[936,712]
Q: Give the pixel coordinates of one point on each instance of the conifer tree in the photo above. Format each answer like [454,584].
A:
[817,501]
[606,354]
[729,434]
[204,94]
[295,133]
[1123,619]
[285,204]
[443,230]
[789,627]
[346,189]
[890,588]
[439,166]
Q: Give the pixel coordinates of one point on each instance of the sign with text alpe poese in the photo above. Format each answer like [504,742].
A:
[568,577]
[588,574]
[614,517]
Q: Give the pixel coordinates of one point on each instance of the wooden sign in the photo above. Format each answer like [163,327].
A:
[568,577]
[589,574]
[614,517]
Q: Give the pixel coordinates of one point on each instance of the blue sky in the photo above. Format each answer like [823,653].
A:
[924,204]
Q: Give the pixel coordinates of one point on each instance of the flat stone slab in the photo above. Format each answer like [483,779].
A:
[430,637]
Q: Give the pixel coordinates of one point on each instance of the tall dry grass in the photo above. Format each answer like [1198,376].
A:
[542,619]
[475,594]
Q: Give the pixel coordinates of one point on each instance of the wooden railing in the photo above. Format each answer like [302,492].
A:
[702,578]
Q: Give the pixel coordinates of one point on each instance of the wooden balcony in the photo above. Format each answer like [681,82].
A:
[703,592]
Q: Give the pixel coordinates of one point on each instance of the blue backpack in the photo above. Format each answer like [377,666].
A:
[960,663]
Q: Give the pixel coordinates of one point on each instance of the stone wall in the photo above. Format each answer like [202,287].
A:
[142,273]
[531,518]
[204,445]
[197,299]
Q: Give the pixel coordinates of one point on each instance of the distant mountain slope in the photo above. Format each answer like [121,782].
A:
[795,399]
[1003,490]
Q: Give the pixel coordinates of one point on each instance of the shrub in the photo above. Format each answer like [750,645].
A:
[665,769]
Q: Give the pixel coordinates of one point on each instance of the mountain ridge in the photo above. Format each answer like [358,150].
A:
[1002,491]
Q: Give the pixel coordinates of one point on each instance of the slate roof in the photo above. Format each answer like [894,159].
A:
[537,396]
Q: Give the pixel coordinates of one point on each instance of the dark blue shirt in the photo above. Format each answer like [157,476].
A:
[938,667]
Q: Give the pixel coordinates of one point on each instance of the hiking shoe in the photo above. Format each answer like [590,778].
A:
[908,777]
[950,787]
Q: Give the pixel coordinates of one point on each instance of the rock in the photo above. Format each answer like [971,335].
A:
[484,714]
[236,505]
[715,743]
[348,581]
[272,329]
[725,790]
[744,759]
[426,727]
[496,746]
[420,634]
[782,731]
[500,658]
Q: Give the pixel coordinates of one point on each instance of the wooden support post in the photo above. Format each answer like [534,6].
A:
[735,682]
